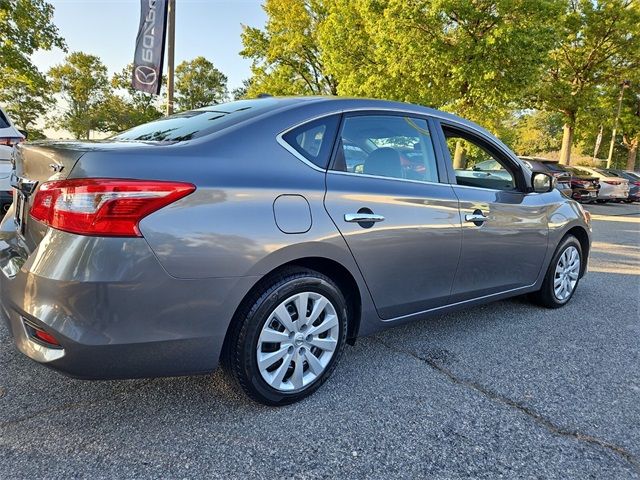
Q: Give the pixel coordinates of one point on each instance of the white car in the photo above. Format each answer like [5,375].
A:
[611,187]
[10,136]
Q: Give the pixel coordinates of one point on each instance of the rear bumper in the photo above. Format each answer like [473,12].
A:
[614,194]
[111,306]
[584,195]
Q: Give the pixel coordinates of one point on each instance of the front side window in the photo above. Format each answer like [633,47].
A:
[387,146]
[475,164]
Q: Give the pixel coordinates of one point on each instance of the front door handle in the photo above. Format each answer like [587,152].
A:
[477,217]
[363,218]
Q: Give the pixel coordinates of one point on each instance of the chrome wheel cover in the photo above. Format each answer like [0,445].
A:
[566,274]
[297,341]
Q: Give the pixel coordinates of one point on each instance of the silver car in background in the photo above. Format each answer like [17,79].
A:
[10,136]
[612,187]
[265,234]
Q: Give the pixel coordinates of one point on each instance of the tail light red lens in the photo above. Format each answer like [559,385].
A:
[612,182]
[102,206]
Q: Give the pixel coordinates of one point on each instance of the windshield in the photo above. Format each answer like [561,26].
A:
[196,123]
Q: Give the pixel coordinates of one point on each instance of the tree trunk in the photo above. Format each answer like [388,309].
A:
[460,156]
[633,153]
[567,141]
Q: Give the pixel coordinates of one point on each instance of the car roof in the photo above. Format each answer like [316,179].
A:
[357,103]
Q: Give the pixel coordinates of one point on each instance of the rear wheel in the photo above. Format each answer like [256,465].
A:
[288,337]
[563,275]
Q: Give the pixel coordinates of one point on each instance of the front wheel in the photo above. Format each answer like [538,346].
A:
[288,337]
[563,275]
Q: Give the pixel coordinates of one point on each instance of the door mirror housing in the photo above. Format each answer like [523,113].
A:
[542,182]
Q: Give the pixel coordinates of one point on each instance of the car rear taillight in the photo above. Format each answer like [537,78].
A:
[637,184]
[612,182]
[10,141]
[103,206]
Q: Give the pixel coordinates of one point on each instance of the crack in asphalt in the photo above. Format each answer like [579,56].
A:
[537,417]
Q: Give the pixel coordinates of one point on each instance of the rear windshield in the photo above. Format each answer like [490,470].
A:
[196,123]
[554,167]
[578,171]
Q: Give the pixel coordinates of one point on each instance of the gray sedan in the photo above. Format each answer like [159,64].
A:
[265,234]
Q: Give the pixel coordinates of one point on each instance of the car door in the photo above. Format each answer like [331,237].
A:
[400,222]
[504,227]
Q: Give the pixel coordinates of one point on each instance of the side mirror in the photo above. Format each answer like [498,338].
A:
[542,182]
[24,132]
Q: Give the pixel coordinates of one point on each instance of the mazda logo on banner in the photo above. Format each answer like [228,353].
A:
[149,54]
[145,75]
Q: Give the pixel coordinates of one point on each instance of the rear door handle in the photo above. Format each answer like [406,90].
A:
[363,218]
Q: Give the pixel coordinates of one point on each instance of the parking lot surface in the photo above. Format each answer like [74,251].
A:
[504,390]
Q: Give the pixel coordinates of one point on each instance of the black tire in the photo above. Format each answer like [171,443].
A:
[239,354]
[546,296]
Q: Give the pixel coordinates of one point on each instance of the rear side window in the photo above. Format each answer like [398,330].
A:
[314,140]
[197,123]
[4,123]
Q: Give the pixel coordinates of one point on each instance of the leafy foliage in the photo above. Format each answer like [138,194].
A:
[198,84]
[473,58]
[598,42]
[537,132]
[287,56]
[125,107]
[26,97]
[83,83]
[25,26]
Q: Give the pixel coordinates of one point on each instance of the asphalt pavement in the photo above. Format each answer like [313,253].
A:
[507,390]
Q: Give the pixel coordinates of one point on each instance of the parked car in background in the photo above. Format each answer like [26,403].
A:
[634,183]
[246,233]
[612,187]
[562,176]
[10,136]
[585,186]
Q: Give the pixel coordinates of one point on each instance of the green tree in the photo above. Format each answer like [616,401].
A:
[286,56]
[598,42]
[476,59]
[83,84]
[198,84]
[537,132]
[26,97]
[242,91]
[25,26]
[126,107]
[630,125]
